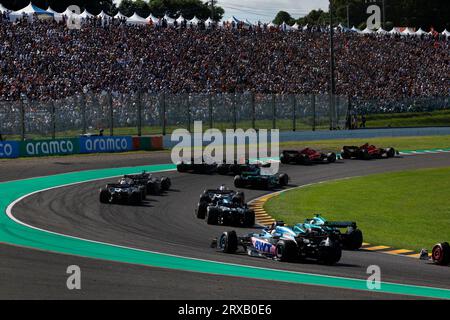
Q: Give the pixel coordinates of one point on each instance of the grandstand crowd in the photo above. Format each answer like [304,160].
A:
[46,60]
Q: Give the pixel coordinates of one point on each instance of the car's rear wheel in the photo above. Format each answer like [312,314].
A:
[104,196]
[331,157]
[182,167]
[364,155]
[239,182]
[212,215]
[330,252]
[222,169]
[390,152]
[283,179]
[286,251]
[353,239]
[249,218]
[285,159]
[441,253]
[201,210]
[154,187]
[346,155]
[166,183]
[228,242]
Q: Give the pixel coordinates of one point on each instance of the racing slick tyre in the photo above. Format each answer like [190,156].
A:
[330,252]
[331,157]
[441,254]
[286,251]
[239,182]
[390,152]
[285,159]
[304,159]
[346,155]
[201,209]
[364,155]
[212,215]
[228,242]
[283,179]
[166,183]
[104,196]
[249,218]
[352,239]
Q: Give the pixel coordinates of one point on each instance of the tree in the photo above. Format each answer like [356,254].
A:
[283,16]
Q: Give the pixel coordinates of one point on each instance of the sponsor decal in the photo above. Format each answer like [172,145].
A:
[105,144]
[262,246]
[48,147]
[9,149]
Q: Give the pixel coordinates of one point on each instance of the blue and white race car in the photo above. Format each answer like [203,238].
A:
[283,243]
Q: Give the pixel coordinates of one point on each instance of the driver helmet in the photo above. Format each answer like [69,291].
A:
[223,188]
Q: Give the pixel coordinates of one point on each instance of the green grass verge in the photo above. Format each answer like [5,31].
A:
[408,210]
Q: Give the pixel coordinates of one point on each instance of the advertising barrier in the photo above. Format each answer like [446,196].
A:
[42,148]
[99,144]
[9,149]
[94,144]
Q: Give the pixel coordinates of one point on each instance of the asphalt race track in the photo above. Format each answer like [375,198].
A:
[167,224]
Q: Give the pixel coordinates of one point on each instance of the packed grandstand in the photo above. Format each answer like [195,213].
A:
[42,59]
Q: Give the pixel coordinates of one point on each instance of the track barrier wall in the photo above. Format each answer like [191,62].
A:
[81,145]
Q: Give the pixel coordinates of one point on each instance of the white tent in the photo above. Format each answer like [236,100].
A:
[296,26]
[446,33]
[194,21]
[305,27]
[69,13]
[153,19]
[367,31]
[394,31]
[31,9]
[103,15]
[3,9]
[285,27]
[56,15]
[12,15]
[382,31]
[420,32]
[85,14]
[120,16]
[354,29]
[209,22]
[168,19]
[233,19]
[408,32]
[136,19]
[272,25]
[180,19]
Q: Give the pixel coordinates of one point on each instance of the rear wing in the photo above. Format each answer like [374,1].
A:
[220,191]
[118,185]
[340,224]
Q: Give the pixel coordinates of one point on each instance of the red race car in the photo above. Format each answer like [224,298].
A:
[306,156]
[367,152]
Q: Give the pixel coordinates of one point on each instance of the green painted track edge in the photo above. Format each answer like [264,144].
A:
[15,233]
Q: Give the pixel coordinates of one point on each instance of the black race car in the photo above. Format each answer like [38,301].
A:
[441,254]
[153,185]
[367,152]
[199,167]
[236,168]
[125,192]
[306,156]
[226,207]
[255,179]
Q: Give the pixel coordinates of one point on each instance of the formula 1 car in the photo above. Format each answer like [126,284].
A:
[352,239]
[255,179]
[125,192]
[441,254]
[306,156]
[367,152]
[283,244]
[201,167]
[236,168]
[226,207]
[153,185]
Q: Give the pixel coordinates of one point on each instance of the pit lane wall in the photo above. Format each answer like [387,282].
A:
[81,145]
